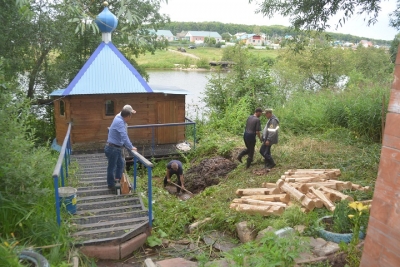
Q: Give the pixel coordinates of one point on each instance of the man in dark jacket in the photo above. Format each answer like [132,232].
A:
[270,137]
[253,129]
[175,167]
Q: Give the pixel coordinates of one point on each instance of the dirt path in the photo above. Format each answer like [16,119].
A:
[184,54]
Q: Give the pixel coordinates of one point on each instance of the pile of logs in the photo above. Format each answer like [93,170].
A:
[312,188]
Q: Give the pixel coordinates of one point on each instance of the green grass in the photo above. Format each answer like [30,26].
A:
[164,59]
[264,53]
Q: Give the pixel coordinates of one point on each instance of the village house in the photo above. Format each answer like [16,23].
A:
[163,35]
[181,35]
[366,43]
[198,36]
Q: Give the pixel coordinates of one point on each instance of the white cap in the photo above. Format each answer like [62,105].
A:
[129,108]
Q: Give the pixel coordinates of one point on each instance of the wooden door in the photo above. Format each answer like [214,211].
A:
[167,113]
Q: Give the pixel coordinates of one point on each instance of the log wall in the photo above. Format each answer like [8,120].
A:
[90,124]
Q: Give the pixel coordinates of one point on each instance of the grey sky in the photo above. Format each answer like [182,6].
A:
[241,12]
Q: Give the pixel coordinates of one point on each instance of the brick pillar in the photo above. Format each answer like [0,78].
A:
[382,244]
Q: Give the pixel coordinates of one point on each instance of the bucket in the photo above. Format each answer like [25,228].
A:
[68,197]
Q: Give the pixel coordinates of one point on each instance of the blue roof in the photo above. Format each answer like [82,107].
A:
[107,71]
[165,33]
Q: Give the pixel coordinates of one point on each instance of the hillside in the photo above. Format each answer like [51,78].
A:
[274,30]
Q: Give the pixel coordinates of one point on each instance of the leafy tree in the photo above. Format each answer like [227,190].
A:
[53,40]
[254,83]
[226,36]
[315,14]
[394,46]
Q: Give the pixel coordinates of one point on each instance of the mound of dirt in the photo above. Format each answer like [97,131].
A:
[207,173]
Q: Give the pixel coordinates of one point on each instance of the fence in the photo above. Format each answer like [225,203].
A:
[153,126]
[63,162]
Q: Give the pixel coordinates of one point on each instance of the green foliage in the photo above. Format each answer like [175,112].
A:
[304,113]
[156,238]
[203,64]
[341,221]
[269,252]
[315,15]
[26,194]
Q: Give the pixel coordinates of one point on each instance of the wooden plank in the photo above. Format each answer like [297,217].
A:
[327,203]
[340,195]
[258,202]
[302,198]
[275,198]
[257,191]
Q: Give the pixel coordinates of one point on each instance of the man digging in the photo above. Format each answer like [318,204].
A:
[175,167]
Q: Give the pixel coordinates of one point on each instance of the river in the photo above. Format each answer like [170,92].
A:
[192,81]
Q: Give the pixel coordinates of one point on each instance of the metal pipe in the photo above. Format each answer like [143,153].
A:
[134,173]
[57,201]
[150,193]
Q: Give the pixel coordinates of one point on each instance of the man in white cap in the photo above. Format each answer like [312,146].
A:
[117,139]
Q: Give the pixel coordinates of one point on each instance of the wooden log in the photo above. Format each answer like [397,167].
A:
[303,199]
[258,202]
[262,210]
[308,203]
[317,201]
[257,191]
[333,184]
[304,179]
[269,185]
[332,197]
[340,195]
[359,187]
[280,182]
[366,202]
[331,173]
[304,188]
[292,191]
[313,170]
[327,203]
[285,198]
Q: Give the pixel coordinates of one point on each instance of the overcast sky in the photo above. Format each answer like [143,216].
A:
[241,12]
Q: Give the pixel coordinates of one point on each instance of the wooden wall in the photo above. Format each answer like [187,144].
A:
[87,112]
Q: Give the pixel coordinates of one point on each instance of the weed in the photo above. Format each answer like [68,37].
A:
[270,251]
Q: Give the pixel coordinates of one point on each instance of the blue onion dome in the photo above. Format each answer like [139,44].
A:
[106,21]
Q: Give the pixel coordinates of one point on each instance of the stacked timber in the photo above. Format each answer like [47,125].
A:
[312,188]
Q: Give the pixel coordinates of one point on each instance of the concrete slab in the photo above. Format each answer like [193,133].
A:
[112,251]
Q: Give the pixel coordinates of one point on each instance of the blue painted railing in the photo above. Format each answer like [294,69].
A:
[63,162]
[153,126]
[138,157]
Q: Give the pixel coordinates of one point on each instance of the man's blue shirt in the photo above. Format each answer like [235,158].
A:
[117,134]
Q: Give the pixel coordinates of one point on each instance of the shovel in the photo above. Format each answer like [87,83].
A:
[182,188]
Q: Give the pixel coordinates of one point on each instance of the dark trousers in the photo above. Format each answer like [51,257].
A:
[179,180]
[265,151]
[250,142]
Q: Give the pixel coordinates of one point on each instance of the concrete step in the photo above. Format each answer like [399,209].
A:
[108,197]
[83,221]
[107,204]
[94,192]
[112,210]
[90,182]
[111,233]
[116,222]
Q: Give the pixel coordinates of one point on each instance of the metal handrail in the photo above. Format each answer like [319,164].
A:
[187,122]
[62,163]
[138,157]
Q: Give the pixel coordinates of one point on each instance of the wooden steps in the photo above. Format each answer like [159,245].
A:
[102,216]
